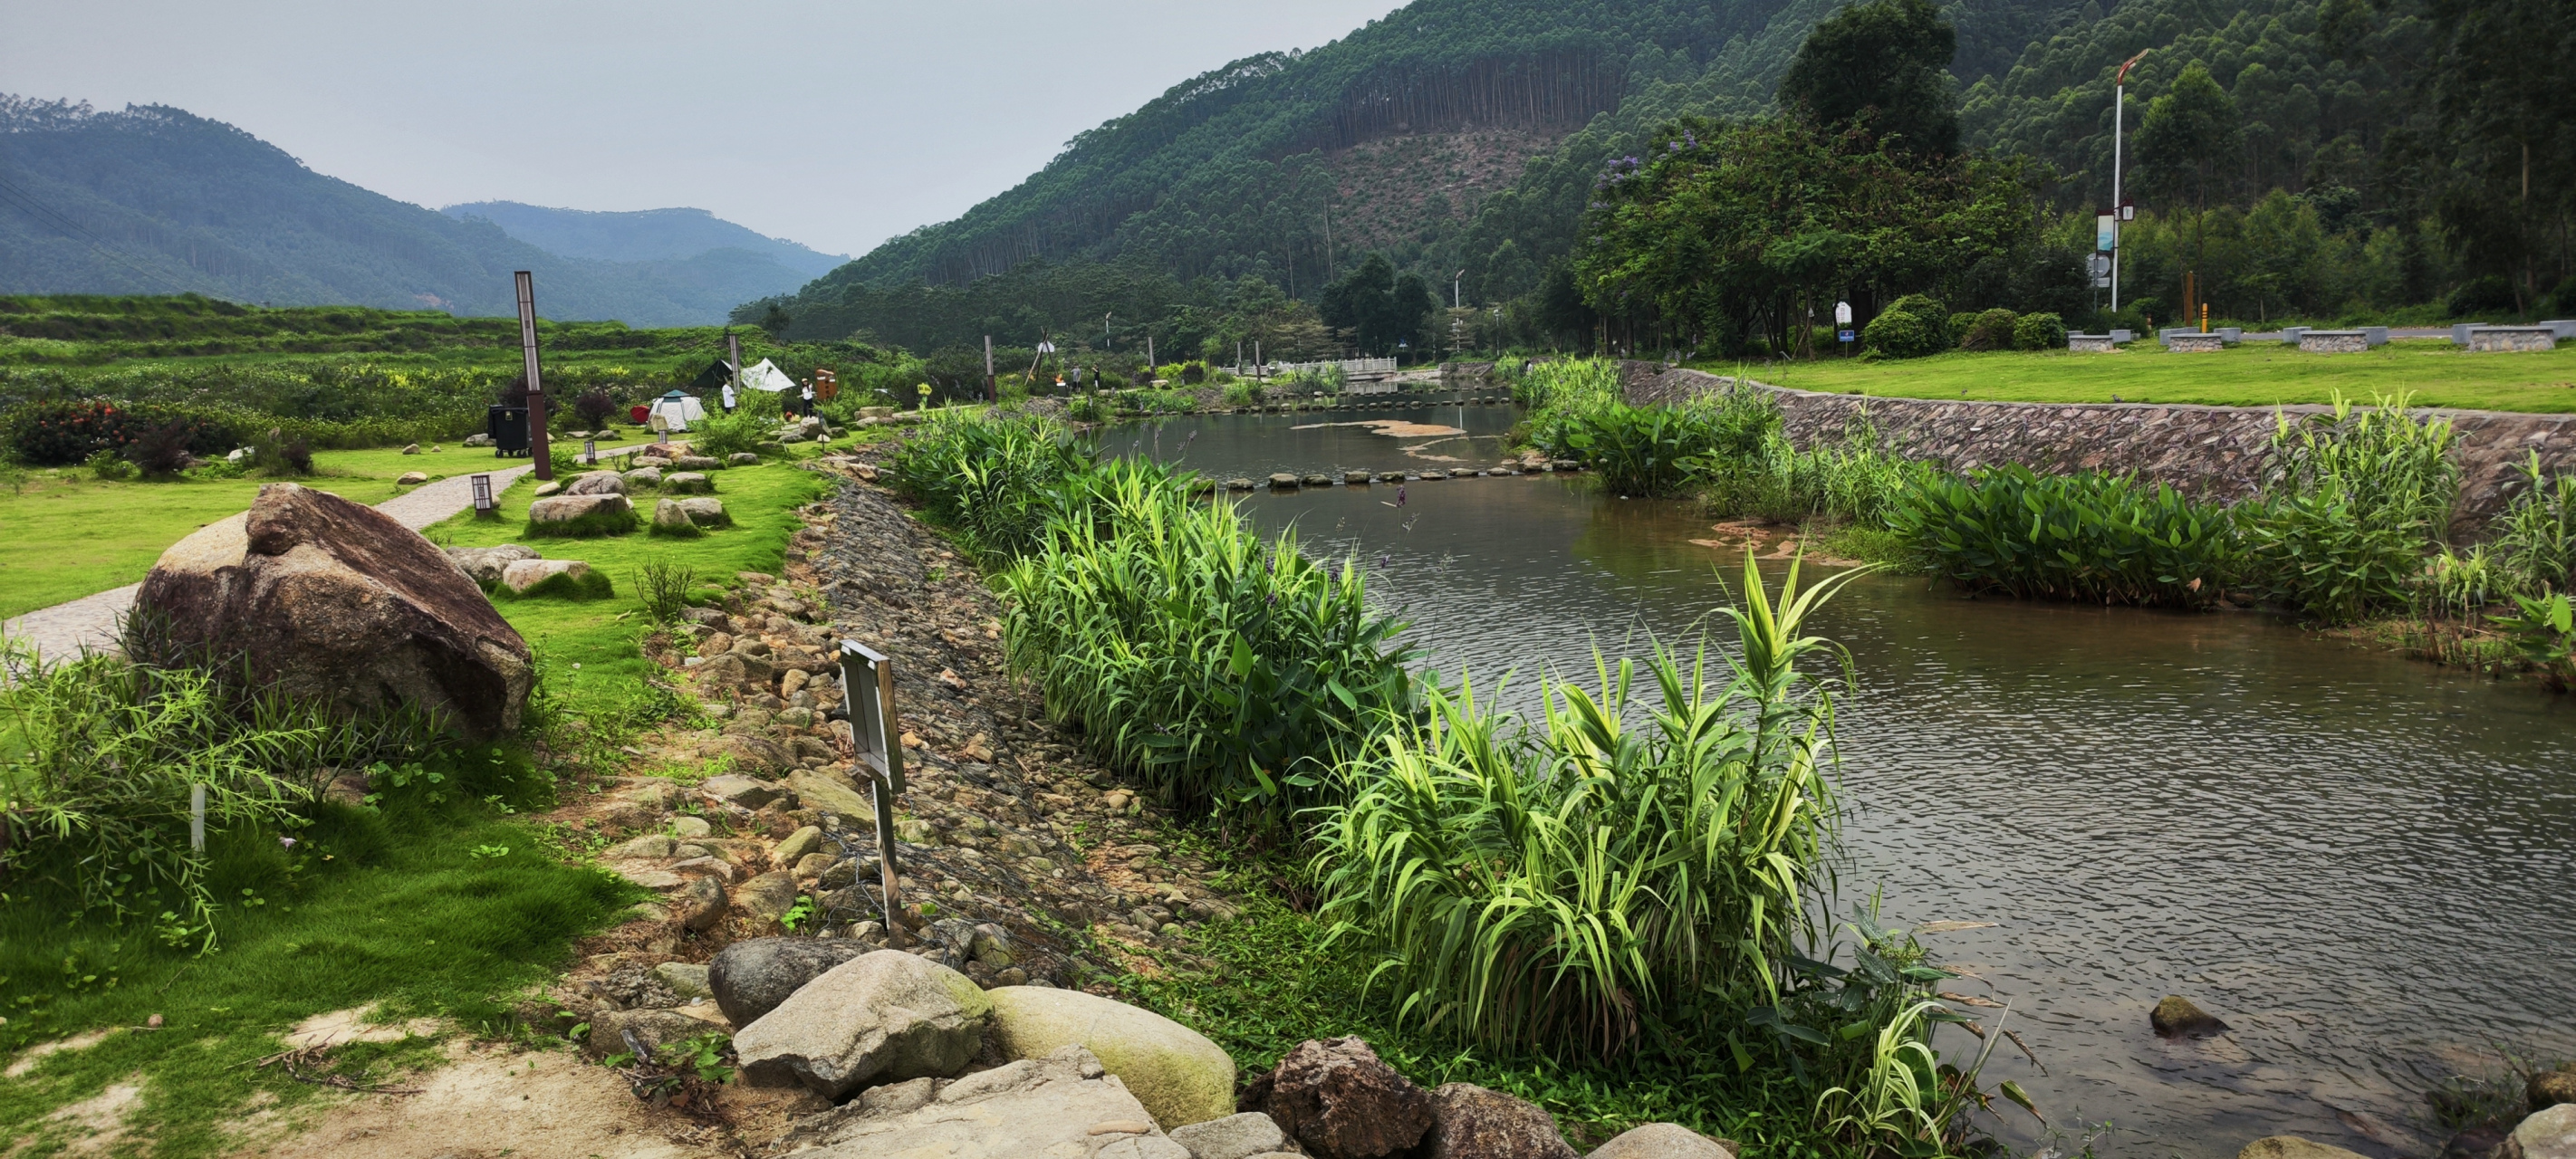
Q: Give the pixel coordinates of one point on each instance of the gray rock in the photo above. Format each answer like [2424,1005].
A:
[698,463]
[685,827]
[705,511]
[748,792]
[1665,1141]
[1061,1105]
[1471,1122]
[643,478]
[768,896]
[649,845]
[797,844]
[1232,1137]
[2550,1134]
[881,1017]
[687,483]
[484,564]
[685,979]
[1340,1101]
[567,508]
[596,483]
[702,903]
[523,574]
[1355,478]
[750,978]
[1176,1072]
[478,439]
[668,516]
[743,459]
[547,490]
[1283,481]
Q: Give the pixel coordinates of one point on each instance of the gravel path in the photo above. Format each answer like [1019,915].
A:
[89,623]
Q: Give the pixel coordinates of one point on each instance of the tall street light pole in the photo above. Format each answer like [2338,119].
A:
[538,453]
[2120,210]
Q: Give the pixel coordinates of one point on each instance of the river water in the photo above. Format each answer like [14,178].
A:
[2360,862]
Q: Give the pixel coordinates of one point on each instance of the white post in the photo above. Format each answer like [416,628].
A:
[2119,114]
[197,818]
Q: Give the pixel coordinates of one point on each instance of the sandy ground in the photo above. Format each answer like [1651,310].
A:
[487,1102]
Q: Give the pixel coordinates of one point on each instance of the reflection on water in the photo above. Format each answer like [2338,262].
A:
[2362,863]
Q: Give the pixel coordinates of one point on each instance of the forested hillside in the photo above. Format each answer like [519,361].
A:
[157,200]
[2314,158]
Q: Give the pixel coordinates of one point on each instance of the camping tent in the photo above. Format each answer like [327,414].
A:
[678,410]
[765,375]
[717,373]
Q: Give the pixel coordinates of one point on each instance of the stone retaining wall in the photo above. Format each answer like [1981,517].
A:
[2213,452]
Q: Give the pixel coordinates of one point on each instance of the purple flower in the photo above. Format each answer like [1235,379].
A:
[288,842]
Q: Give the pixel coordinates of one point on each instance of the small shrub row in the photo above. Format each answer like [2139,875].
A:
[1916,325]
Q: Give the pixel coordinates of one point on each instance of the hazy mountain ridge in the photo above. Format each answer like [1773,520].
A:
[157,200]
[640,235]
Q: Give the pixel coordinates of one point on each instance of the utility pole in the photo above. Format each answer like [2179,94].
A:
[538,453]
[733,359]
[2120,211]
[992,388]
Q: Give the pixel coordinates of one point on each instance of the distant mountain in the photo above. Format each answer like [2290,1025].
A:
[156,200]
[639,236]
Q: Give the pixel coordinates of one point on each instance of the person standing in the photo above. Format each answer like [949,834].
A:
[807,395]
[728,398]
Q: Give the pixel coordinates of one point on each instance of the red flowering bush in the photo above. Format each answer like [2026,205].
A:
[65,432]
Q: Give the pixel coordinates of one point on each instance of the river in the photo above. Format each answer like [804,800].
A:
[2361,862]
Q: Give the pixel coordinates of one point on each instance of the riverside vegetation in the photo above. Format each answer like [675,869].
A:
[2353,528]
[1594,910]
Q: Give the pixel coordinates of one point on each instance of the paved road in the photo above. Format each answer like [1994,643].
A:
[90,622]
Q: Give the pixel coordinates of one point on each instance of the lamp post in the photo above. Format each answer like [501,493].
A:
[2121,210]
[483,506]
[537,451]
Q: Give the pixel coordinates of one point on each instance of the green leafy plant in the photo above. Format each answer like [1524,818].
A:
[108,465]
[2544,633]
[2535,541]
[665,588]
[2085,536]
[2361,499]
[990,478]
[796,914]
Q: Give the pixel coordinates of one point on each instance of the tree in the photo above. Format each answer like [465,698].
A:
[2190,145]
[2501,100]
[1884,65]
[1379,309]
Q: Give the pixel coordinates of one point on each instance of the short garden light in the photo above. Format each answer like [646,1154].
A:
[482,495]
[867,699]
[590,451]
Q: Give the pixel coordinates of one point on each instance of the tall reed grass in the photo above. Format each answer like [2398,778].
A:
[991,478]
[1223,671]
[2362,498]
[2086,536]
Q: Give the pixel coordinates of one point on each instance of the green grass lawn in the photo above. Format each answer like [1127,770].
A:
[2432,372]
[67,534]
[588,648]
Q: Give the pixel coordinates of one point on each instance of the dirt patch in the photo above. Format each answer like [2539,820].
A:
[37,1053]
[92,1125]
[342,1027]
[492,1102]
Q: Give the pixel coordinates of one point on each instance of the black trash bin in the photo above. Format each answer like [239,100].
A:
[508,426]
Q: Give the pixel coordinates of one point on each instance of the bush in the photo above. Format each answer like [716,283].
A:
[719,435]
[1991,330]
[63,432]
[107,465]
[1911,327]
[1194,373]
[2039,331]
[2085,536]
[162,452]
[989,478]
[2360,499]
[2535,540]
[594,407]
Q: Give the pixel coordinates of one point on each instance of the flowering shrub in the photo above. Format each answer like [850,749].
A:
[63,432]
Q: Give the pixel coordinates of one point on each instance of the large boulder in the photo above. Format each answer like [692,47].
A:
[2292,1147]
[1338,1099]
[1471,1122]
[1665,1141]
[751,978]
[877,1018]
[523,574]
[2550,1134]
[704,511]
[570,508]
[485,564]
[623,1031]
[338,601]
[1175,1071]
[687,483]
[1060,1105]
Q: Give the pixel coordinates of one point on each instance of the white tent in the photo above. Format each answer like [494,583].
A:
[765,375]
[677,410]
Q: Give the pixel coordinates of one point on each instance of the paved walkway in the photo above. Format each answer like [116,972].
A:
[90,622]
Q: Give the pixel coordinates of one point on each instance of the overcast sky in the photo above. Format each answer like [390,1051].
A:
[834,125]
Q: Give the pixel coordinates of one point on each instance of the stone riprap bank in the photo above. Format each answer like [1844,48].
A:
[2211,452]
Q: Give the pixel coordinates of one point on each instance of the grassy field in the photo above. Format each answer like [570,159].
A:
[440,902]
[2431,371]
[67,534]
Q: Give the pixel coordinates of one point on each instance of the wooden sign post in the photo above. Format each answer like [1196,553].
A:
[537,451]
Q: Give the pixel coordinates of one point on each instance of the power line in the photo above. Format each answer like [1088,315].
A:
[27,202]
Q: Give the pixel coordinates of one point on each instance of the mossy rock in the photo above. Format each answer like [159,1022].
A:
[589,585]
[594,525]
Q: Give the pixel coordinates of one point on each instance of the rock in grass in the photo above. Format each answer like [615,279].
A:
[2549,1134]
[483,564]
[563,579]
[881,1017]
[2176,1017]
[1471,1122]
[1665,1141]
[743,459]
[411,478]
[696,463]
[644,478]
[706,512]
[337,601]
[1179,1075]
[564,516]
[1232,1137]
[688,483]
[2292,1147]
[547,490]
[596,483]
[750,978]
[1339,1100]
[670,521]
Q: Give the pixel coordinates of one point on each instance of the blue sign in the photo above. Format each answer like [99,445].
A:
[1847,335]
